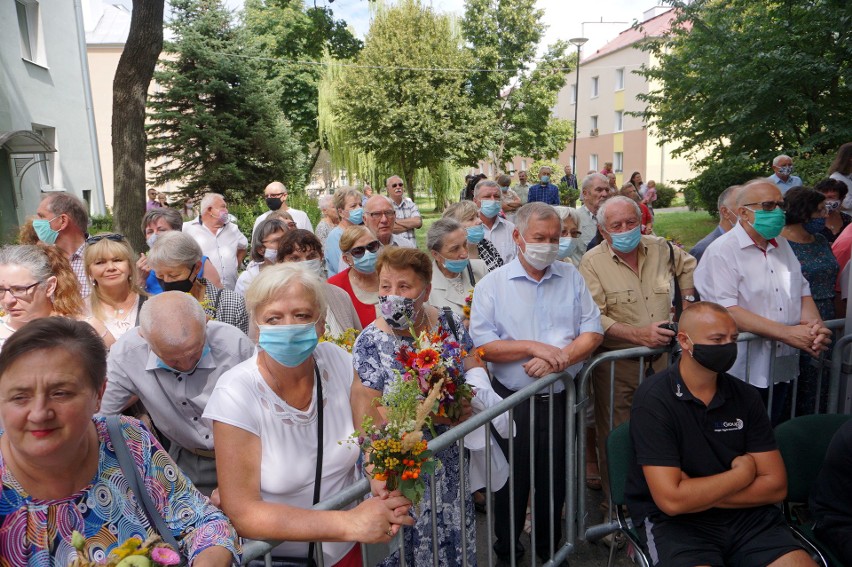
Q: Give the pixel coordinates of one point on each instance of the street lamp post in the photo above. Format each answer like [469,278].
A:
[578,41]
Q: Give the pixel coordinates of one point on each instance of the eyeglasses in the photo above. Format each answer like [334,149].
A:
[18,291]
[769,205]
[575,234]
[359,251]
[397,185]
[114,237]
[276,195]
[380,214]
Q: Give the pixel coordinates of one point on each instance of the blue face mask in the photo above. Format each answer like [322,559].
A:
[625,242]
[475,233]
[288,345]
[43,230]
[490,208]
[455,266]
[566,246]
[815,226]
[545,179]
[356,216]
[164,366]
[366,264]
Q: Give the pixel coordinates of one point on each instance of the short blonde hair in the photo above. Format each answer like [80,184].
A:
[344,193]
[351,235]
[106,248]
[274,279]
[462,211]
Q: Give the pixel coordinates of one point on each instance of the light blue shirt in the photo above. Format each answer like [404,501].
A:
[331,250]
[792,181]
[510,305]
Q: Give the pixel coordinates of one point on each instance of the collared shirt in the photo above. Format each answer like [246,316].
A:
[570,180]
[500,236]
[734,271]
[523,190]
[510,305]
[405,210]
[401,241]
[299,217]
[176,402]
[79,268]
[637,300]
[220,247]
[588,225]
[152,205]
[545,193]
[792,181]
[453,292]
[701,246]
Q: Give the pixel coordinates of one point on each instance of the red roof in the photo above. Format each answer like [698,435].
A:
[654,27]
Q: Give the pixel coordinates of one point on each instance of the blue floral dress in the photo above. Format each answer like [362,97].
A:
[374,357]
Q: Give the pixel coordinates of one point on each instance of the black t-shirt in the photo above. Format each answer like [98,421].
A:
[671,428]
[831,496]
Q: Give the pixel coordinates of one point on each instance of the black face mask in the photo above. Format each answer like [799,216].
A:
[184,286]
[274,203]
[718,358]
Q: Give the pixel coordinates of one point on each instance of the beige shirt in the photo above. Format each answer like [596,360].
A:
[637,300]
[452,293]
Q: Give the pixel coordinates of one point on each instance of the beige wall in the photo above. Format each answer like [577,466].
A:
[103,61]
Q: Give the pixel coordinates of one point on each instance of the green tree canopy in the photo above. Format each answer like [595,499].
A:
[213,125]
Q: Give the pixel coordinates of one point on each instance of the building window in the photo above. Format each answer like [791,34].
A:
[524,164]
[490,170]
[618,161]
[28,27]
[595,86]
[619,120]
[619,79]
[593,162]
[593,123]
[574,93]
[45,160]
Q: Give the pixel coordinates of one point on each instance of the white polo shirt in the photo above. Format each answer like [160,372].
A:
[500,236]
[221,248]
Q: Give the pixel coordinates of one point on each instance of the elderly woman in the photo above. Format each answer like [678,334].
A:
[287,409]
[360,249]
[347,201]
[264,250]
[61,473]
[154,223]
[37,281]
[647,221]
[454,274]
[111,266]
[835,192]
[571,248]
[404,285]
[466,213]
[329,219]
[303,247]
[176,257]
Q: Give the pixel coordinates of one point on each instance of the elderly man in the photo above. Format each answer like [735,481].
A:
[522,188]
[758,278]
[220,240]
[407,214]
[726,204]
[171,363]
[275,194]
[511,200]
[569,178]
[783,177]
[62,220]
[533,317]
[630,277]
[706,474]
[595,192]
[489,200]
[379,217]
[544,191]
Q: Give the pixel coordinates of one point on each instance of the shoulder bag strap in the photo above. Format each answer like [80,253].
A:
[448,315]
[678,298]
[318,475]
[216,304]
[470,274]
[137,486]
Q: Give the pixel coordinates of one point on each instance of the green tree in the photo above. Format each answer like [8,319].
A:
[739,78]
[405,101]
[213,126]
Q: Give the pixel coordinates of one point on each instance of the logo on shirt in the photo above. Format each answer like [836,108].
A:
[722,426]
[678,393]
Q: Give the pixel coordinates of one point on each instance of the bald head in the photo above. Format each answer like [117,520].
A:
[381,225]
[757,191]
[274,188]
[705,323]
[174,325]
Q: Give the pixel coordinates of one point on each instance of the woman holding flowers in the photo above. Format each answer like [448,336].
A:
[278,420]
[386,351]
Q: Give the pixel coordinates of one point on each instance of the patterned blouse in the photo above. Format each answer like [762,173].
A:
[489,254]
[38,532]
[225,306]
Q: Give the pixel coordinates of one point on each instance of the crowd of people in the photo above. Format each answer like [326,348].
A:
[221,353]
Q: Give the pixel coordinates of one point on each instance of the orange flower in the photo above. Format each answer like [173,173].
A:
[381,476]
[428,358]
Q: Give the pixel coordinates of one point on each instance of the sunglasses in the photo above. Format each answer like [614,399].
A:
[769,205]
[359,251]
[397,185]
[113,237]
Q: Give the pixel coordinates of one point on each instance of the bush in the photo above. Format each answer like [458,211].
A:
[812,167]
[568,195]
[707,185]
[101,223]
[247,212]
[690,196]
[665,196]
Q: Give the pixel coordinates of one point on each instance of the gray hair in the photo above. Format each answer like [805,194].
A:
[343,193]
[723,196]
[778,159]
[535,210]
[174,249]
[439,230]
[484,183]
[266,227]
[274,279]
[27,256]
[587,181]
[617,199]
[462,211]
[568,213]
[71,205]
[324,201]
[169,322]
[171,216]
[207,201]
[386,199]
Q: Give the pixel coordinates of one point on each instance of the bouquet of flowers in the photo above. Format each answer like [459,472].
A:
[435,359]
[468,302]
[345,341]
[153,552]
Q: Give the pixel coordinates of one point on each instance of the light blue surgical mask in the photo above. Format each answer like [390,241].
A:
[545,179]
[164,366]
[566,246]
[475,233]
[288,345]
[455,266]
[366,264]
[43,230]
[490,208]
[625,242]
[356,216]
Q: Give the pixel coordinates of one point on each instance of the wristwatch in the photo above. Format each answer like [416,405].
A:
[689,298]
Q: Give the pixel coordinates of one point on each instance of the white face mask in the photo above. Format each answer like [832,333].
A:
[270,255]
[540,255]
[314,266]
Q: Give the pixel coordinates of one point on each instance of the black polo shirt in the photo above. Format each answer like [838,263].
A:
[671,428]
